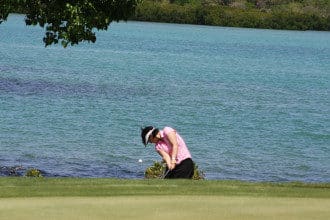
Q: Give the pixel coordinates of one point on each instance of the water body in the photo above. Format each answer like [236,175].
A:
[251,104]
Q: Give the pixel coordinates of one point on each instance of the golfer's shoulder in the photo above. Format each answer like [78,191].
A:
[168,129]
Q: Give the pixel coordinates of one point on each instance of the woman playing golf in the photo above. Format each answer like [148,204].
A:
[172,148]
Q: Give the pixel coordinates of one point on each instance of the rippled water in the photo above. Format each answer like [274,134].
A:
[251,104]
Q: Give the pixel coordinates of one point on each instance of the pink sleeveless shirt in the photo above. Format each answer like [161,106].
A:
[165,145]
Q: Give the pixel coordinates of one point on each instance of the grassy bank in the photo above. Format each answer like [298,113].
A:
[39,187]
[80,198]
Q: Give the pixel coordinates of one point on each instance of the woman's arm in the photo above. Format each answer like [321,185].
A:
[173,140]
[167,159]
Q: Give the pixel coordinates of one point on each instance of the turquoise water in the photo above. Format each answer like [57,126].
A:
[251,104]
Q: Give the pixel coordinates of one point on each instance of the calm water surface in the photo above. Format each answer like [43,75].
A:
[251,104]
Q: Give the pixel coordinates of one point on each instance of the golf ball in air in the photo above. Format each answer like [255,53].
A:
[140,160]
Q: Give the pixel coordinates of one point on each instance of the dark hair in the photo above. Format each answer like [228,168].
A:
[145,130]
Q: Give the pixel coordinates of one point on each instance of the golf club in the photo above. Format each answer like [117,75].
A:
[165,173]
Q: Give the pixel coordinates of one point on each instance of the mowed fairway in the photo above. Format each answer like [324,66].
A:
[24,198]
[163,208]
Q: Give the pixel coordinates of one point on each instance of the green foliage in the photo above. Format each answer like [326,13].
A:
[69,22]
[198,174]
[157,170]
[33,173]
[274,14]
[170,13]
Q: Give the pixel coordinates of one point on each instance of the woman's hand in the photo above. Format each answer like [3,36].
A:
[171,166]
[170,163]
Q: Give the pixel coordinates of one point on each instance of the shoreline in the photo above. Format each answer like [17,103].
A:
[20,171]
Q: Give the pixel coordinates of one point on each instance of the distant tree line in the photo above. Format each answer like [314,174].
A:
[270,14]
[71,22]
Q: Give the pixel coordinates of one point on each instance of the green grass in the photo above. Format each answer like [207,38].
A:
[163,208]
[39,187]
[88,198]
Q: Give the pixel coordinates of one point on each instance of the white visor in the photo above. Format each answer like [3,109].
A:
[146,138]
